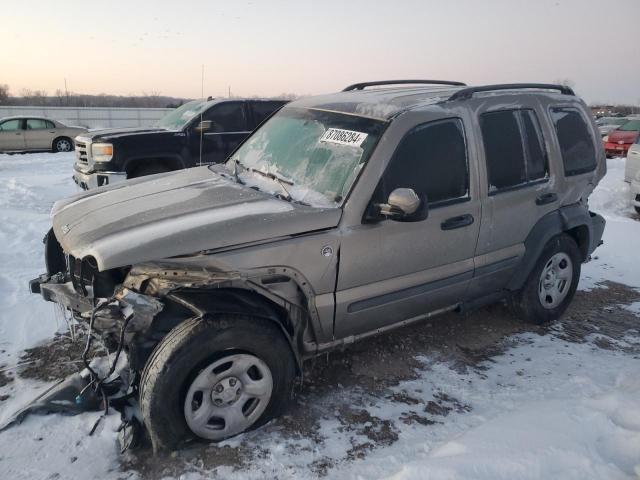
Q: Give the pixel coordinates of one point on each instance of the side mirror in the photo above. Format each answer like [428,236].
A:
[401,203]
[204,125]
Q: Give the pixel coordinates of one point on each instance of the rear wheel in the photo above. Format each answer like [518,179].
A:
[552,283]
[62,144]
[215,378]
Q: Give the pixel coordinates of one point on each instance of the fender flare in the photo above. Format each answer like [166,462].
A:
[217,301]
[573,219]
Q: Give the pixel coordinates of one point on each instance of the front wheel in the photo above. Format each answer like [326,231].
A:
[215,378]
[62,144]
[552,283]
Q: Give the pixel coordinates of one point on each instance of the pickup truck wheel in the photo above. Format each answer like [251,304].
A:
[552,283]
[62,144]
[215,378]
[145,170]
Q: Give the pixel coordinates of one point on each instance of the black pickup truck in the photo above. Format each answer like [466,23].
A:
[197,132]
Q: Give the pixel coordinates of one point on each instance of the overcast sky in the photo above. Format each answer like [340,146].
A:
[272,47]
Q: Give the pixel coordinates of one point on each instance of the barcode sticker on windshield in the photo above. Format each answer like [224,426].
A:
[344,137]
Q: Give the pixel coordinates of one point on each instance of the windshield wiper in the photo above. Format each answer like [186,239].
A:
[237,163]
[280,181]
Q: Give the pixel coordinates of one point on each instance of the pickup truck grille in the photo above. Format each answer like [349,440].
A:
[82,153]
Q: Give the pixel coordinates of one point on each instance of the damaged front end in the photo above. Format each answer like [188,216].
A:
[88,295]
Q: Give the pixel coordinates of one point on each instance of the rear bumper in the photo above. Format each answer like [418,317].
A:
[90,180]
[597,230]
[616,148]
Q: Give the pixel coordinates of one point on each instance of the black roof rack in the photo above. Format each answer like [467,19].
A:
[466,93]
[363,85]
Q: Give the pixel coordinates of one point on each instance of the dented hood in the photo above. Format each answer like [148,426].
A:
[178,213]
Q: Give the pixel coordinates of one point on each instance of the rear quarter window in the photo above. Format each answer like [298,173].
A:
[575,140]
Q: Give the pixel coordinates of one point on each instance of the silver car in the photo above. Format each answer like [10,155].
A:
[341,217]
[22,134]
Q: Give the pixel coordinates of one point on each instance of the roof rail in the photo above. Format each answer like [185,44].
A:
[467,93]
[363,85]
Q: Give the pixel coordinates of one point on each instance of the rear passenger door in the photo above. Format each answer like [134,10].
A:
[39,134]
[519,190]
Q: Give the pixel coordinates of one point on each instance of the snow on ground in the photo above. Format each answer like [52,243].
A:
[544,408]
[29,184]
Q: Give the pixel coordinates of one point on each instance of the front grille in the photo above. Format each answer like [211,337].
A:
[82,152]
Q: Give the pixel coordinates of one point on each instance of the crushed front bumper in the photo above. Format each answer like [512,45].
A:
[109,314]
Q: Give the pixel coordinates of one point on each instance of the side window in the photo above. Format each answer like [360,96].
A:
[537,166]
[431,159]
[262,110]
[11,125]
[49,124]
[36,124]
[514,149]
[576,142]
[227,117]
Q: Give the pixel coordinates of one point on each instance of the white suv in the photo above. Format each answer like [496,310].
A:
[632,173]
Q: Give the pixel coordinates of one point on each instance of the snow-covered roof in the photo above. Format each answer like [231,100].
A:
[380,103]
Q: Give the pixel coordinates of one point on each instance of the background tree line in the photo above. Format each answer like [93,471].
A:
[153,99]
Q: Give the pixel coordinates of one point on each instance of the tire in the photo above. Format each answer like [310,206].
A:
[185,360]
[63,144]
[150,169]
[637,210]
[552,284]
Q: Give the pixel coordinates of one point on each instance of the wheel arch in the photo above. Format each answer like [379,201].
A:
[170,161]
[573,220]
[212,302]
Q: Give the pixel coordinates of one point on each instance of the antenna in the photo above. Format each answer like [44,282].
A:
[201,111]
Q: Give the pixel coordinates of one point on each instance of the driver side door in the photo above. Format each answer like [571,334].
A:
[395,270]
[12,135]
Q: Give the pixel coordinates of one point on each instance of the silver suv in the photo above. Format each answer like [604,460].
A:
[341,217]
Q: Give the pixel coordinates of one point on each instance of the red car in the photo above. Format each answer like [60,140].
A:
[618,141]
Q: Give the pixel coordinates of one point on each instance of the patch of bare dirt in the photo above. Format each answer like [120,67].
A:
[56,359]
[5,377]
[344,384]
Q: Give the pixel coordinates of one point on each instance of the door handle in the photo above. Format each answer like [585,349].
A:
[457,222]
[19,133]
[546,198]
